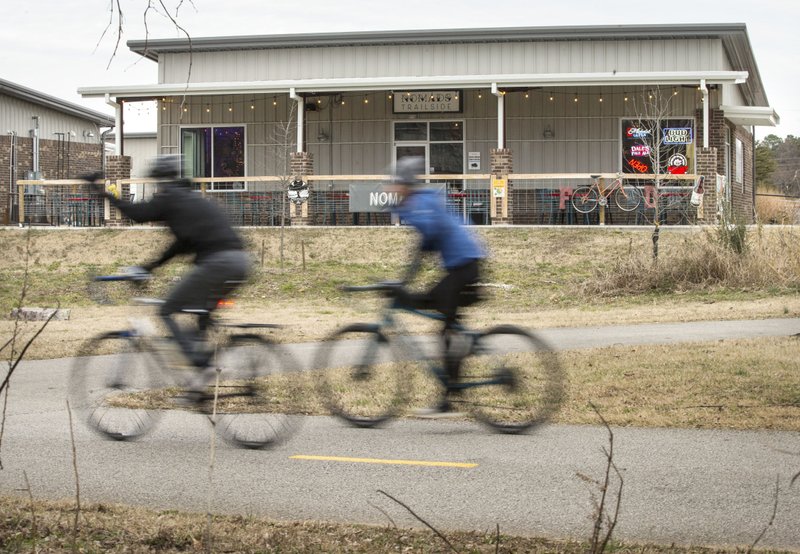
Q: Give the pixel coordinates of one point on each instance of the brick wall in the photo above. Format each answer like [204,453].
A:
[707,166]
[301,164]
[57,160]
[501,163]
[118,167]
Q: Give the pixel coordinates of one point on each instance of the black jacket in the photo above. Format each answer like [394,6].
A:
[200,227]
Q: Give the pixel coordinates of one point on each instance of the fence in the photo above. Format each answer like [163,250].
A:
[535,199]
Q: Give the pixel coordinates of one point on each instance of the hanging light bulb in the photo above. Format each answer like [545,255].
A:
[551,97]
[390,96]
[527,95]
[576,98]
[230,108]
[626,97]
[208,109]
[480,96]
[274,101]
[674,91]
[366,100]
[600,99]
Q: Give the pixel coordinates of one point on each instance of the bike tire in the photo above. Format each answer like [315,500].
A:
[107,385]
[256,400]
[627,198]
[360,379]
[584,199]
[527,383]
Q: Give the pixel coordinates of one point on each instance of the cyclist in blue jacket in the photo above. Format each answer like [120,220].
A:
[461,256]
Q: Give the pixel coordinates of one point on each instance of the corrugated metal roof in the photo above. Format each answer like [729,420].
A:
[42,99]
[733,36]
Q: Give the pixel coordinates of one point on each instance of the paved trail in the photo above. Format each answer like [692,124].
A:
[682,486]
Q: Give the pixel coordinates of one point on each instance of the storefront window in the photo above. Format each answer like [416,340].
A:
[214,152]
[410,131]
[650,146]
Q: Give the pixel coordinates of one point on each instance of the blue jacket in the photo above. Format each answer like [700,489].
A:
[441,232]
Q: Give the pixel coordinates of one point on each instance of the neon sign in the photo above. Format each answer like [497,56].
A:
[677,135]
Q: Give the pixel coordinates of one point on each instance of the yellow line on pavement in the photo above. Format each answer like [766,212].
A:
[379,461]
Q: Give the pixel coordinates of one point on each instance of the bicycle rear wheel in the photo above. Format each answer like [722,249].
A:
[108,386]
[584,199]
[627,198]
[512,380]
[256,398]
[360,380]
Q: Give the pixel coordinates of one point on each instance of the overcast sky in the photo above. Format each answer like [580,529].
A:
[52,45]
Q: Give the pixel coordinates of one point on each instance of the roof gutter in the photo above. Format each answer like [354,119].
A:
[364,84]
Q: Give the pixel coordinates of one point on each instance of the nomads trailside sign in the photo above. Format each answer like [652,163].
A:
[645,143]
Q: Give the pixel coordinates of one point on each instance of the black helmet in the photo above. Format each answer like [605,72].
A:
[406,170]
[166,167]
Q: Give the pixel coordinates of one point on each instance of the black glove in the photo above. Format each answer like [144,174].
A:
[93,178]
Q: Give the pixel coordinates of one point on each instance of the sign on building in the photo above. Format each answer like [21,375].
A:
[427,101]
[372,197]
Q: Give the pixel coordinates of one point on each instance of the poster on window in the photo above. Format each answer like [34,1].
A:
[650,146]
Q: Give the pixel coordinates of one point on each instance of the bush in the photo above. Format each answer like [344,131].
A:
[707,259]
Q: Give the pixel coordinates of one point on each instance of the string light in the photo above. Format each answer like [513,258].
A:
[480,96]
[674,91]
[576,97]
[527,95]
[230,108]
[366,100]
[600,99]
[390,96]
[274,100]
[551,97]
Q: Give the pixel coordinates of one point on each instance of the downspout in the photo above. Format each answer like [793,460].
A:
[704,90]
[300,117]
[501,116]
[35,137]
[117,127]
[103,136]
[12,166]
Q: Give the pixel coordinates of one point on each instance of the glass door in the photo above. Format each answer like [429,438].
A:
[406,149]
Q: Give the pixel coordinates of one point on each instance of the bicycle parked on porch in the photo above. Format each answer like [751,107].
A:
[586,198]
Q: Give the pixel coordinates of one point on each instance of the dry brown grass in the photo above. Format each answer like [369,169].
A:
[774,210]
[701,262]
[112,528]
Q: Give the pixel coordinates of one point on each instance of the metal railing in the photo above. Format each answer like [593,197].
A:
[534,199]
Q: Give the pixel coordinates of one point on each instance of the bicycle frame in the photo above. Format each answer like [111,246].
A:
[411,344]
[607,191]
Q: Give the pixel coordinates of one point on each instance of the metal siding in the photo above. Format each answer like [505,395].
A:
[445,59]
[15,115]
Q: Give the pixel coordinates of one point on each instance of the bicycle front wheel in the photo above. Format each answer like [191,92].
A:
[627,198]
[360,379]
[584,199]
[512,380]
[109,383]
[251,401]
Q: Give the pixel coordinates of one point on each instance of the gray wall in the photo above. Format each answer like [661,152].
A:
[15,115]
[445,59]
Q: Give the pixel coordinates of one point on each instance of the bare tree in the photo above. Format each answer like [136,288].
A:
[649,150]
[284,144]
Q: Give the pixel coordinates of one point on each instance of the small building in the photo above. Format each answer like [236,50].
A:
[510,121]
[46,138]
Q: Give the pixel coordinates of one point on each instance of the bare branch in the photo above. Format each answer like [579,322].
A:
[771,519]
[108,26]
[33,511]
[25,348]
[381,510]
[120,19]
[428,525]
[601,516]
[77,479]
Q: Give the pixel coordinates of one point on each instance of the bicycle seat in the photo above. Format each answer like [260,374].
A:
[595,176]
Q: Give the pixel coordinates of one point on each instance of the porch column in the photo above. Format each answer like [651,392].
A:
[301,165]
[707,167]
[117,167]
[501,164]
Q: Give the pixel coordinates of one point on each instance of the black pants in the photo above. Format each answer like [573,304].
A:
[211,280]
[446,298]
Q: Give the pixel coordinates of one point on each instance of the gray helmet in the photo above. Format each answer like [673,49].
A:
[406,170]
[166,167]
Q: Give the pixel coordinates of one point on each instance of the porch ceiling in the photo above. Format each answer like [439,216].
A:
[418,83]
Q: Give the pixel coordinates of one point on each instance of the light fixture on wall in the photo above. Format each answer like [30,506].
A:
[548,132]
[322,136]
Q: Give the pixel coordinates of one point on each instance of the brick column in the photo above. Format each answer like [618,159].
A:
[118,167]
[707,167]
[301,165]
[501,163]
[5,179]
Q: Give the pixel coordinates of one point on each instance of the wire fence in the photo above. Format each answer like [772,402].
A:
[345,201]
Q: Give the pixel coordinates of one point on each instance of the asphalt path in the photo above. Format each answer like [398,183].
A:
[680,486]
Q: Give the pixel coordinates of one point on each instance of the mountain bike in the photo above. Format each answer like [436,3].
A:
[510,379]
[122,380]
[586,198]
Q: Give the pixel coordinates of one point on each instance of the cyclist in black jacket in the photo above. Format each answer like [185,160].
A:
[200,228]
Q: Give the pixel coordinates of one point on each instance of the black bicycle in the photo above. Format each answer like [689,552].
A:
[510,379]
[122,381]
